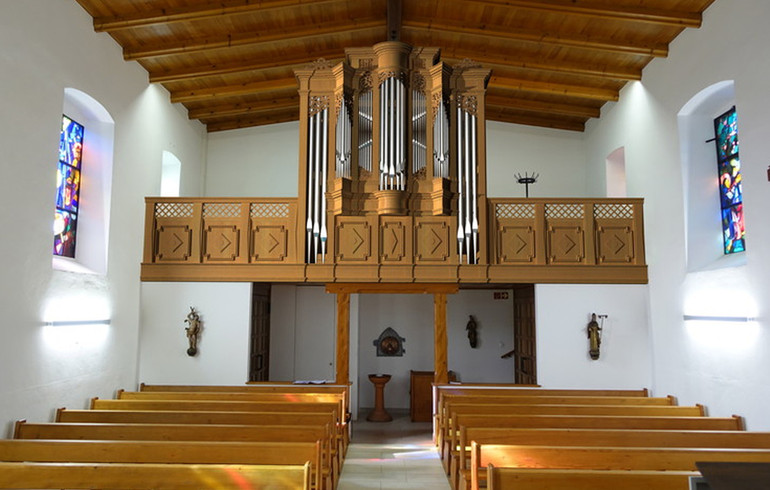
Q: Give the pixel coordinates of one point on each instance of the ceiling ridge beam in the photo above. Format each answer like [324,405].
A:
[574,110]
[219,42]
[211,93]
[199,12]
[505,61]
[188,73]
[659,50]
[593,93]
[603,11]
[242,109]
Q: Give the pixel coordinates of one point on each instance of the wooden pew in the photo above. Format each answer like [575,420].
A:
[602,458]
[265,453]
[125,476]
[555,479]
[583,422]
[228,406]
[330,462]
[460,463]
[478,390]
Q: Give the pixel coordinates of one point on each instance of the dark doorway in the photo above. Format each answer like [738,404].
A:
[259,361]
[525,352]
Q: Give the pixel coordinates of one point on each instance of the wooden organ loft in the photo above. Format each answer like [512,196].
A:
[392,189]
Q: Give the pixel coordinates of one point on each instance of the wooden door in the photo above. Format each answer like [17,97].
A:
[259,360]
[525,352]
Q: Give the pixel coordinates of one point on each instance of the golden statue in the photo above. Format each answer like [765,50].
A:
[594,337]
[193,331]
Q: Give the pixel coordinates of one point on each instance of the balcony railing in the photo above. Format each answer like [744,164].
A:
[529,240]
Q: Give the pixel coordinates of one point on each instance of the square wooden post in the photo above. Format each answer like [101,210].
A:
[441,375]
[342,376]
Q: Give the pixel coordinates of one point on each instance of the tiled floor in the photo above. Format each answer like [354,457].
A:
[392,455]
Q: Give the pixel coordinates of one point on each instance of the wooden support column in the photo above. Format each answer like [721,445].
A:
[441,375]
[342,376]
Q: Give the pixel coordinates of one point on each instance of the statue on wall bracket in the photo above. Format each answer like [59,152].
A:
[193,331]
[389,344]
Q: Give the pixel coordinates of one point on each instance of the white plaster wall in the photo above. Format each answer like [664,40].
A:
[223,345]
[47,47]
[719,365]
[261,162]
[557,156]
[562,314]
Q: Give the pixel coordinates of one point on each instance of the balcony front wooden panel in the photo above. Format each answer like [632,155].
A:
[272,225]
[175,233]
[435,238]
[353,237]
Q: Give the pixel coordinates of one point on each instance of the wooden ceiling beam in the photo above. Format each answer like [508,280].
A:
[511,61]
[301,58]
[501,102]
[243,109]
[580,91]
[252,38]
[197,12]
[212,93]
[394,20]
[500,32]
[252,121]
[543,122]
[604,11]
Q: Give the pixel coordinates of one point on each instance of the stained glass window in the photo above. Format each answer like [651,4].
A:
[730,190]
[68,187]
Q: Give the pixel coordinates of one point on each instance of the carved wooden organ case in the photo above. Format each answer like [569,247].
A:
[392,160]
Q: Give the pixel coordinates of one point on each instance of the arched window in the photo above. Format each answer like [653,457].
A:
[701,185]
[616,173]
[170,175]
[87,139]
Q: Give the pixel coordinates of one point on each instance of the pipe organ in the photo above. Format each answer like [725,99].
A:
[419,165]
[392,188]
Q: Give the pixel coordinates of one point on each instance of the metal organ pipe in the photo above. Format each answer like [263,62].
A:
[467,171]
[324,169]
[310,188]
[460,195]
[474,191]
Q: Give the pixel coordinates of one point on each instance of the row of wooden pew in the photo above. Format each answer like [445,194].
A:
[260,435]
[535,438]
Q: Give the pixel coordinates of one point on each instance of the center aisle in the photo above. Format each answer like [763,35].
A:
[392,455]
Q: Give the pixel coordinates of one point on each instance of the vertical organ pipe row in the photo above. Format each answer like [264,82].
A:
[317,154]
[392,134]
[365,126]
[441,143]
[343,135]
[467,208]
[419,131]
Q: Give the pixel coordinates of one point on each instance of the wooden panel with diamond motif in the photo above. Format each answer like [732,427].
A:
[269,242]
[434,239]
[615,241]
[516,241]
[221,240]
[395,239]
[565,242]
[353,239]
[173,240]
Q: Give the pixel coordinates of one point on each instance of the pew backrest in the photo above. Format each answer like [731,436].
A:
[538,479]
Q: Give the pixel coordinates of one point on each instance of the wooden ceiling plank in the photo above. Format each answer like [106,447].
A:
[498,32]
[580,91]
[219,42]
[542,64]
[251,122]
[188,73]
[245,109]
[197,12]
[553,123]
[604,11]
[496,101]
[234,90]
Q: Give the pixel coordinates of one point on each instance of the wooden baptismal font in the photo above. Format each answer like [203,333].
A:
[379,414]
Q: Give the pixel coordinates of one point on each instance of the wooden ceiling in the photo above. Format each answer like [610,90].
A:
[554,62]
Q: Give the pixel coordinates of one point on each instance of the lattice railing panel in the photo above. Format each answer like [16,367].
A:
[173,210]
[614,211]
[564,211]
[270,210]
[514,210]
[221,210]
